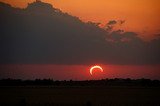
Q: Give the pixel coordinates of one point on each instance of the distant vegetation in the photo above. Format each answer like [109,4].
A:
[105,92]
[103,82]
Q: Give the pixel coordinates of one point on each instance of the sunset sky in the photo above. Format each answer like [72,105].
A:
[141,16]
[66,53]
[78,72]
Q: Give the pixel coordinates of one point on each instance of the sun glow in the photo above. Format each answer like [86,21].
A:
[95,67]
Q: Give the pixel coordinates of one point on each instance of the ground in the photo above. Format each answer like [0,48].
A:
[80,96]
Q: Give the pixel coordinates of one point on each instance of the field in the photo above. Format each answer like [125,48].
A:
[79,96]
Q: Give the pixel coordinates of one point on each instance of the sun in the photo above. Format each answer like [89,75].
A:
[95,67]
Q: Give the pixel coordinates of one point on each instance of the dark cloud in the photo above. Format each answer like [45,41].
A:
[43,34]
[109,26]
[121,22]
[112,22]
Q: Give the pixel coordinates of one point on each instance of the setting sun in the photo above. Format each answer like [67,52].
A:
[95,67]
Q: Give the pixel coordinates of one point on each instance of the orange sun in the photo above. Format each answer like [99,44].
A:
[95,67]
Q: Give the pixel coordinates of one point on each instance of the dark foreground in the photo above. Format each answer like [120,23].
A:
[79,96]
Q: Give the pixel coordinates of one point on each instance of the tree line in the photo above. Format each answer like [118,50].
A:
[102,82]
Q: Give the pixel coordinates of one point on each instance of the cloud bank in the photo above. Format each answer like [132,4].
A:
[42,34]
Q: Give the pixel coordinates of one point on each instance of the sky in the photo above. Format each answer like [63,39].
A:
[61,47]
[141,16]
[78,72]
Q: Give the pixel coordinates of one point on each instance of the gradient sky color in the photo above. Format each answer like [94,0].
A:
[77,72]
[141,16]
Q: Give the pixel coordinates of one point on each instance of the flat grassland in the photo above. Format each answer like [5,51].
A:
[79,96]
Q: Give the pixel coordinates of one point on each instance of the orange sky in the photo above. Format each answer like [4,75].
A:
[142,16]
